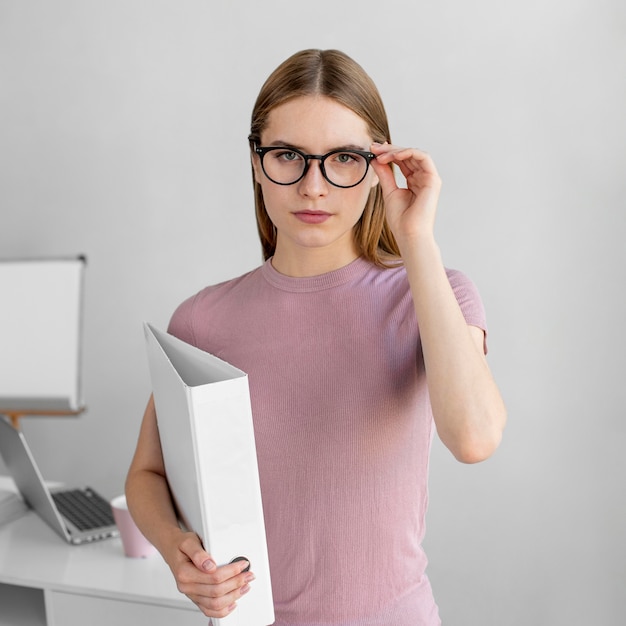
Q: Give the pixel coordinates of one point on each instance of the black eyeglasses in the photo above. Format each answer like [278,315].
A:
[341,168]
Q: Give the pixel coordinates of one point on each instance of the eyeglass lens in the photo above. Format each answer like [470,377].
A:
[344,169]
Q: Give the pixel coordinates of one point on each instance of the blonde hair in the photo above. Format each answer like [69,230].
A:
[335,75]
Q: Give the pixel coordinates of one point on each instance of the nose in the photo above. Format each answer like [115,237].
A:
[313,183]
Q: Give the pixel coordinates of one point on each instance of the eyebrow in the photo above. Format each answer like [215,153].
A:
[285,144]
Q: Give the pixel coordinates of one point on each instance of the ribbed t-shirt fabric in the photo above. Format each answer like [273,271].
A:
[343,428]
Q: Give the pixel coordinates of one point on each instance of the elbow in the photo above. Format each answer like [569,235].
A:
[471,452]
[477,446]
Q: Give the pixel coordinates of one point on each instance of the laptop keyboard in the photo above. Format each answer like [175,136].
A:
[84,508]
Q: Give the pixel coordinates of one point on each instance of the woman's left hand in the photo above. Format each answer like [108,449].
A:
[411,210]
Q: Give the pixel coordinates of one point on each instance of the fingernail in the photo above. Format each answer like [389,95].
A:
[244,590]
[250,577]
[208,565]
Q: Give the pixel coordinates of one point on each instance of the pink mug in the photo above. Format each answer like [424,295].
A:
[134,543]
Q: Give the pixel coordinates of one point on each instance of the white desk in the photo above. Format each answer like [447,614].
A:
[45,581]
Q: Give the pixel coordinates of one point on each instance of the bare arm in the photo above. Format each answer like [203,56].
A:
[467,407]
[214,589]
[468,410]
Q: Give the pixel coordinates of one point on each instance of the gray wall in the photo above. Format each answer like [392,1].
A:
[123,131]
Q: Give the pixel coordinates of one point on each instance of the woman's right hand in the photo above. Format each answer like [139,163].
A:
[215,590]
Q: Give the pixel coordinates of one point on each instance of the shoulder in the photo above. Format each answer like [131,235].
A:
[460,281]
[463,286]
[396,277]
[186,315]
[396,284]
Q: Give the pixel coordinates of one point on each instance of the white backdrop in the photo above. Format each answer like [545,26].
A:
[123,128]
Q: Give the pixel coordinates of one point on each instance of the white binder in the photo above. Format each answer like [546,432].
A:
[205,425]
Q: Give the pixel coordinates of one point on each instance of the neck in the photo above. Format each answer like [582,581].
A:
[312,261]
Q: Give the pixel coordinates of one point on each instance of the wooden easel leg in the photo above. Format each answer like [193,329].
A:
[15,419]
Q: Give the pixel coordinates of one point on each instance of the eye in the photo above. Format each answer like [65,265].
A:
[347,158]
[286,155]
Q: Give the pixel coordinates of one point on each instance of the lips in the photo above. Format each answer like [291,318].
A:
[312,217]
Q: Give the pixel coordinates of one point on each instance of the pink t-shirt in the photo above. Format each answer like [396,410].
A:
[343,429]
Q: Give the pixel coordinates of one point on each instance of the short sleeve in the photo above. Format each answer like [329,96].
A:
[180,323]
[469,300]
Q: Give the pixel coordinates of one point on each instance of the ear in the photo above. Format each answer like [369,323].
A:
[256,166]
[375,180]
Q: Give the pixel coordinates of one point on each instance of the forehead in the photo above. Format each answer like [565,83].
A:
[315,123]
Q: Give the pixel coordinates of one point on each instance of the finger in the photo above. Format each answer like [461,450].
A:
[192,548]
[230,571]
[410,162]
[226,577]
[410,158]
[387,152]
[418,169]
[221,600]
[422,163]
[216,607]
[209,589]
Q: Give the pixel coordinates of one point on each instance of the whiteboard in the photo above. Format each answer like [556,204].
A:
[41,302]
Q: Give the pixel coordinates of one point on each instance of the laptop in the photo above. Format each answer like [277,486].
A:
[79,515]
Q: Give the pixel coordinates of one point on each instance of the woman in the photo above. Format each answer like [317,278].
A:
[356,341]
